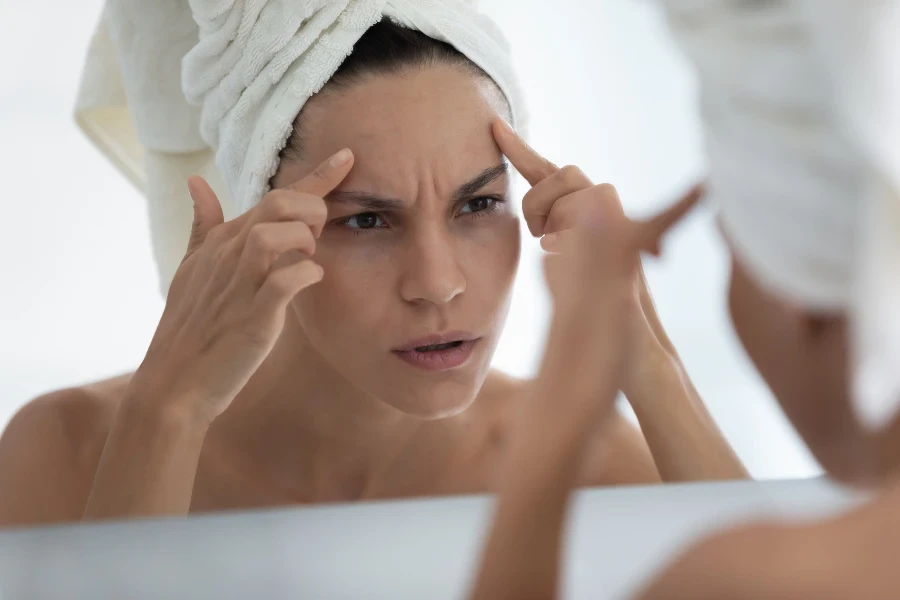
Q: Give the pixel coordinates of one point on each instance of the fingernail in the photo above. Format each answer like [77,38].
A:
[550,239]
[321,270]
[340,159]
[506,125]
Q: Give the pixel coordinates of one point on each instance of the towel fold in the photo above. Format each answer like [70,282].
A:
[801,106]
[172,88]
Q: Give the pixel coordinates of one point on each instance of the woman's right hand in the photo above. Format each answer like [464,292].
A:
[226,306]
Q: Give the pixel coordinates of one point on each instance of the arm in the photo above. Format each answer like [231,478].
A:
[556,423]
[684,440]
[149,462]
[682,436]
[591,278]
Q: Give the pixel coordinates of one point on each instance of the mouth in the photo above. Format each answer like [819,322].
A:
[439,352]
[439,347]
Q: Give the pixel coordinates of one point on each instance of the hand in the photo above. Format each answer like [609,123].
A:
[559,199]
[226,306]
[592,277]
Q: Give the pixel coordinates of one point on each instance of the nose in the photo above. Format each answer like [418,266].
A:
[432,273]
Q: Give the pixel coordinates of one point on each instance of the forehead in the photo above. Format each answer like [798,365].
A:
[432,122]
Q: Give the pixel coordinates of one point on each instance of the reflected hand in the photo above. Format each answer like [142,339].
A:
[226,306]
[592,273]
[560,199]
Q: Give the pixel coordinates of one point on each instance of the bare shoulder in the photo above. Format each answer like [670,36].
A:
[50,449]
[617,453]
[849,556]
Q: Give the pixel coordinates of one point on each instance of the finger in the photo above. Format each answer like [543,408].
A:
[547,195]
[290,205]
[327,176]
[284,283]
[531,165]
[649,233]
[266,242]
[555,242]
[207,212]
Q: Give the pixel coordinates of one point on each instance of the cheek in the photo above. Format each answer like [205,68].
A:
[493,259]
[352,295]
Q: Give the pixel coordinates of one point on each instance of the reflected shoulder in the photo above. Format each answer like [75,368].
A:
[50,449]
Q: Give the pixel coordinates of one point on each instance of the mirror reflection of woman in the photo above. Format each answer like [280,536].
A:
[333,342]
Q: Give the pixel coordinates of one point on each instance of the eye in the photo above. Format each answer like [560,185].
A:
[364,221]
[477,205]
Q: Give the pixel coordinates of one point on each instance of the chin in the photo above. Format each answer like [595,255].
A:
[436,403]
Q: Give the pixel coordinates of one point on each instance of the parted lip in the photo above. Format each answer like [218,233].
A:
[437,338]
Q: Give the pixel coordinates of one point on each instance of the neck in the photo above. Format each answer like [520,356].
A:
[314,432]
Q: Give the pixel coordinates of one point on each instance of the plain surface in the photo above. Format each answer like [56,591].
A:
[606,91]
[389,550]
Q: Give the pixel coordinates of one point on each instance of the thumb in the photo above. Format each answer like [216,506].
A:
[207,212]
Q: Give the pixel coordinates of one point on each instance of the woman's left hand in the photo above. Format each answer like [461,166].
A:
[559,199]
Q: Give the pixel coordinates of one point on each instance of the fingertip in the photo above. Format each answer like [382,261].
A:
[193,182]
[501,125]
[340,158]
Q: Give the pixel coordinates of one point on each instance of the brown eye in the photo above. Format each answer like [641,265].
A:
[364,221]
[476,205]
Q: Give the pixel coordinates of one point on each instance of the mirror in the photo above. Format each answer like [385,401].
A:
[394,401]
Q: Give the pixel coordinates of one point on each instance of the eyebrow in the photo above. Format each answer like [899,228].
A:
[376,203]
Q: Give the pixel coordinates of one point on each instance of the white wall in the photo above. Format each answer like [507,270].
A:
[606,91]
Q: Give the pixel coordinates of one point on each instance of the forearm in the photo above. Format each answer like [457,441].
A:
[682,436]
[522,554]
[521,558]
[148,464]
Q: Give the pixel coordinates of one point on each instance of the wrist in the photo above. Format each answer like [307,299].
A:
[658,370]
[174,412]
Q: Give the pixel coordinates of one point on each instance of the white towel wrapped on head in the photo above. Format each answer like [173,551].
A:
[801,107]
[213,87]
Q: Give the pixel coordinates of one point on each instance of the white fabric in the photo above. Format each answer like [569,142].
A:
[801,106]
[172,88]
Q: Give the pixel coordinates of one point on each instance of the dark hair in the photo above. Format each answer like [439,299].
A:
[384,49]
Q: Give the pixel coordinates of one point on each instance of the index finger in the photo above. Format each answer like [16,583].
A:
[327,176]
[649,233]
[531,165]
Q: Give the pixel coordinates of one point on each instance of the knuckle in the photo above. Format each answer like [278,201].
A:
[320,172]
[572,176]
[318,209]
[217,235]
[258,239]
[279,282]
[606,189]
[304,240]
[315,211]
[277,205]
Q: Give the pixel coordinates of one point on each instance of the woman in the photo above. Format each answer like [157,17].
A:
[810,208]
[333,342]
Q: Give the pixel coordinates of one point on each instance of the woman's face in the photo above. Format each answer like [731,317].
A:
[422,241]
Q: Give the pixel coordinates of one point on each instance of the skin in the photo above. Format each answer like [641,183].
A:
[271,379]
[804,359]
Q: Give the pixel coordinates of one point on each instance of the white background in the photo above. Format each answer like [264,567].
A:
[606,90]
